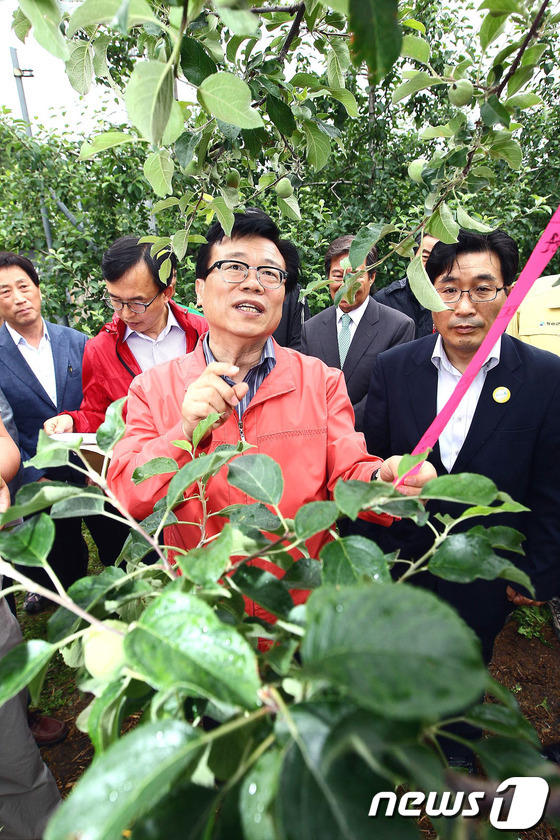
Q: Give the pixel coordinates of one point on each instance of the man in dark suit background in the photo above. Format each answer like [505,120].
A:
[40,375]
[506,426]
[399,295]
[351,335]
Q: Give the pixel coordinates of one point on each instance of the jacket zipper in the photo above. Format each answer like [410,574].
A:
[241,432]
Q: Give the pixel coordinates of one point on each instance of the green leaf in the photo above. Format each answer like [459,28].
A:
[225,215]
[167,819]
[289,207]
[196,64]
[105,716]
[51,452]
[420,81]
[107,140]
[347,99]
[494,113]
[79,67]
[442,225]
[21,664]
[228,98]
[127,780]
[100,47]
[207,565]
[203,427]
[90,501]
[338,62]
[314,517]
[157,466]
[422,287]
[377,35]
[238,21]
[259,476]
[264,588]
[468,488]
[148,98]
[185,147]
[414,24]
[365,239]
[199,469]
[508,150]
[88,593]
[34,497]
[113,427]
[469,223]
[45,17]
[503,758]
[424,662]
[250,517]
[500,536]
[179,641]
[28,544]
[304,573]
[318,145]
[408,462]
[158,169]
[180,242]
[524,100]
[20,25]
[94,12]
[257,796]
[463,558]
[502,7]
[416,48]
[354,496]
[281,115]
[502,721]
[519,79]
[492,27]
[175,124]
[352,559]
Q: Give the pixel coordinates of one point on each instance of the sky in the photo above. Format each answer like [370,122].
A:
[51,100]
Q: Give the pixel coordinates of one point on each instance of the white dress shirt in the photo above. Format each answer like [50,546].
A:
[355,317]
[456,431]
[40,359]
[170,343]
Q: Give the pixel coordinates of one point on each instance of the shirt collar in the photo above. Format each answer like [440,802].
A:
[171,322]
[440,360]
[19,339]
[267,352]
[355,314]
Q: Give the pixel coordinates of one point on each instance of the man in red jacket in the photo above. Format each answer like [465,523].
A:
[147,328]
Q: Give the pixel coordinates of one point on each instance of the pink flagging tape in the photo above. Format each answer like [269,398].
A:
[544,251]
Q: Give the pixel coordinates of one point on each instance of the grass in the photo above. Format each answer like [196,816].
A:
[531,621]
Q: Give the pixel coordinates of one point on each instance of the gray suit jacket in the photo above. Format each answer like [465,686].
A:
[380,328]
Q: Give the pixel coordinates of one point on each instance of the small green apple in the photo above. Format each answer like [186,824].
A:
[284,188]
[104,651]
[415,169]
[233,178]
[460,93]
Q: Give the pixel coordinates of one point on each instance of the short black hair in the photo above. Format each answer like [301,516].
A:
[8,259]
[127,252]
[253,222]
[341,245]
[498,242]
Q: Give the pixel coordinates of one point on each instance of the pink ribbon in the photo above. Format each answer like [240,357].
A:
[544,251]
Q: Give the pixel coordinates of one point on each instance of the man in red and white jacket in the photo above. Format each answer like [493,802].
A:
[147,328]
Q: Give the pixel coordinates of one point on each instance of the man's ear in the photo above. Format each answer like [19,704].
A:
[168,291]
[507,289]
[199,286]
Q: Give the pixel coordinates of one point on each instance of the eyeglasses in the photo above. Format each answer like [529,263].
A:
[135,306]
[234,271]
[481,294]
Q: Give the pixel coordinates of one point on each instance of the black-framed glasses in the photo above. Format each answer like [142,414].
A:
[234,271]
[136,306]
[481,294]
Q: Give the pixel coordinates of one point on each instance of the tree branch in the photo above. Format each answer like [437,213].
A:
[528,38]
[294,31]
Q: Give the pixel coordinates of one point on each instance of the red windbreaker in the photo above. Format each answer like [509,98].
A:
[109,367]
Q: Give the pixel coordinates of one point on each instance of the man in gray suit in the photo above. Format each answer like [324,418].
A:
[351,335]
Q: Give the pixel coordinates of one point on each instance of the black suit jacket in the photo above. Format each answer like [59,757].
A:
[379,329]
[515,443]
[30,403]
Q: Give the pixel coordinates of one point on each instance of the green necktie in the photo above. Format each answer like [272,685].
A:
[344,337]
